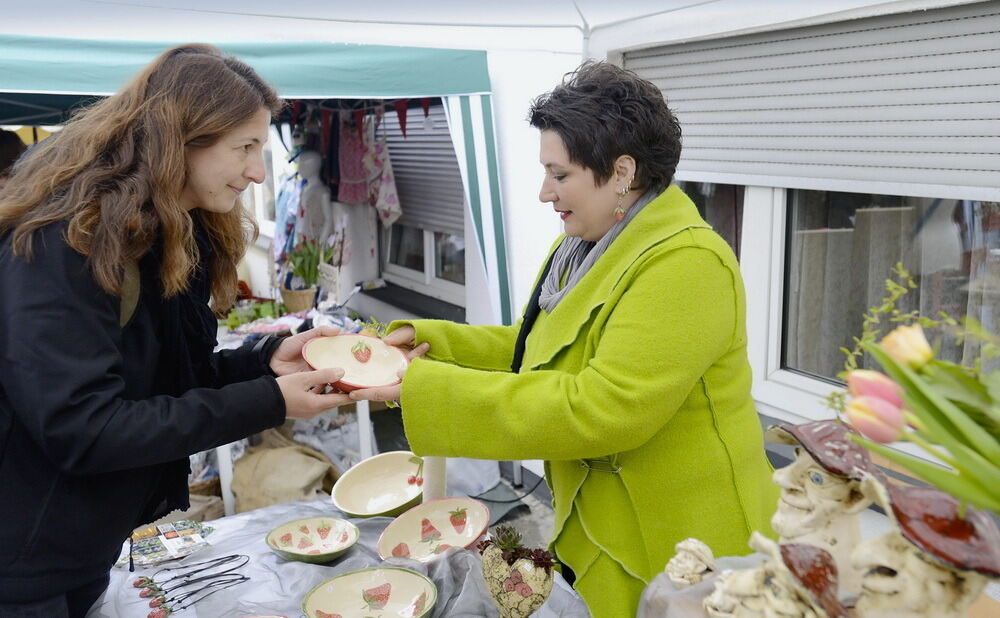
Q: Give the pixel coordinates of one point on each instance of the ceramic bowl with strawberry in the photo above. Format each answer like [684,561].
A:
[313,539]
[379,591]
[383,485]
[367,361]
[424,532]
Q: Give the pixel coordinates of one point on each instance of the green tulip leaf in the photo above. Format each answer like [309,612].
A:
[992,383]
[988,418]
[945,480]
[956,383]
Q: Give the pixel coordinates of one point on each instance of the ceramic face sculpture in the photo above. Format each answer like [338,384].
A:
[821,492]
[692,563]
[811,498]
[935,564]
[901,581]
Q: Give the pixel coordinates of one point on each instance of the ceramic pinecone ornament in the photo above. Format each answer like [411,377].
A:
[519,579]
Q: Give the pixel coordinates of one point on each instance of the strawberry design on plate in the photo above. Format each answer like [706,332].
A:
[401,551]
[414,609]
[322,614]
[362,352]
[343,537]
[305,542]
[440,548]
[304,529]
[458,518]
[286,539]
[323,530]
[428,532]
[377,597]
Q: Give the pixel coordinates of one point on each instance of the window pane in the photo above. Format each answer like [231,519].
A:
[268,184]
[406,247]
[721,206]
[841,249]
[449,254]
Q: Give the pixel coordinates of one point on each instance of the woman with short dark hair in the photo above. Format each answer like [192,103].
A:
[628,373]
[115,236]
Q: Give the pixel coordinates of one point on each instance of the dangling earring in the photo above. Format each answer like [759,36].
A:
[619,211]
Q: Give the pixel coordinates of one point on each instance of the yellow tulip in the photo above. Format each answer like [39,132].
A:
[908,346]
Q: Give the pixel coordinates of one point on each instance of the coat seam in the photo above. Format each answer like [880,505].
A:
[729,455]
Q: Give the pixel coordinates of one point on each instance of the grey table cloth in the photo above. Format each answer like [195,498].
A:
[277,586]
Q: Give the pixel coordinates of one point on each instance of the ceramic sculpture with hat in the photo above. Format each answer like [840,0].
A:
[794,580]
[692,563]
[934,564]
[821,492]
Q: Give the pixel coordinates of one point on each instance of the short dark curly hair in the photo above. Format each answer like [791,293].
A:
[601,111]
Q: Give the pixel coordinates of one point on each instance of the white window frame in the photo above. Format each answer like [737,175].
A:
[279,167]
[789,396]
[423,282]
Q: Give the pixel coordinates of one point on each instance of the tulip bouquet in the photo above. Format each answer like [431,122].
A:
[304,260]
[950,411]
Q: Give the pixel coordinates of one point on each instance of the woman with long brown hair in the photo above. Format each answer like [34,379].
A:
[118,238]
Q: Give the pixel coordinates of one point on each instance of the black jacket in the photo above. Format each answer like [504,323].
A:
[96,420]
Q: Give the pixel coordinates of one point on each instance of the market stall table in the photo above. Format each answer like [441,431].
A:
[277,586]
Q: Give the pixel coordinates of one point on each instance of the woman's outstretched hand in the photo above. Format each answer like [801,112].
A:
[403,338]
[287,359]
[303,392]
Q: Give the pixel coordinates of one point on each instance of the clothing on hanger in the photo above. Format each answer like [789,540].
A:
[353,178]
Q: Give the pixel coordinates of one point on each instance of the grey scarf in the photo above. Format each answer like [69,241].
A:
[575,256]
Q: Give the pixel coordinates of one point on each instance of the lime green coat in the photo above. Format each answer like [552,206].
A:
[645,360]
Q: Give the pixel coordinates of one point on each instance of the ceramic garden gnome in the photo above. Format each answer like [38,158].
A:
[795,580]
[821,492]
[692,563]
[934,564]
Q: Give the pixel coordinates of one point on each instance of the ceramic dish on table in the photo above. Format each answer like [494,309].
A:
[313,539]
[378,591]
[367,361]
[383,485]
[425,531]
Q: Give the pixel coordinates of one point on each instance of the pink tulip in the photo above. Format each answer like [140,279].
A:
[908,346]
[868,383]
[875,418]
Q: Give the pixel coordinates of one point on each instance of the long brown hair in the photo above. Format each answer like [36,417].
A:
[117,169]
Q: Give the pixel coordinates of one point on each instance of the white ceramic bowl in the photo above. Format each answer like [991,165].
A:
[314,539]
[379,591]
[385,484]
[367,361]
[426,530]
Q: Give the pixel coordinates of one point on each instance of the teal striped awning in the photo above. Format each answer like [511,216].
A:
[42,77]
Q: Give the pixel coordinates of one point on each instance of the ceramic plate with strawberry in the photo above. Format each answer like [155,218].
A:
[427,530]
[315,539]
[384,485]
[379,591]
[367,361]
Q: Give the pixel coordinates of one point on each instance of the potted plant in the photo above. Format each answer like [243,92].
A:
[302,263]
[519,579]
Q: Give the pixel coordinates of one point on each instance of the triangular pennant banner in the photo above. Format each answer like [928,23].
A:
[401,106]
[426,104]
[326,122]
